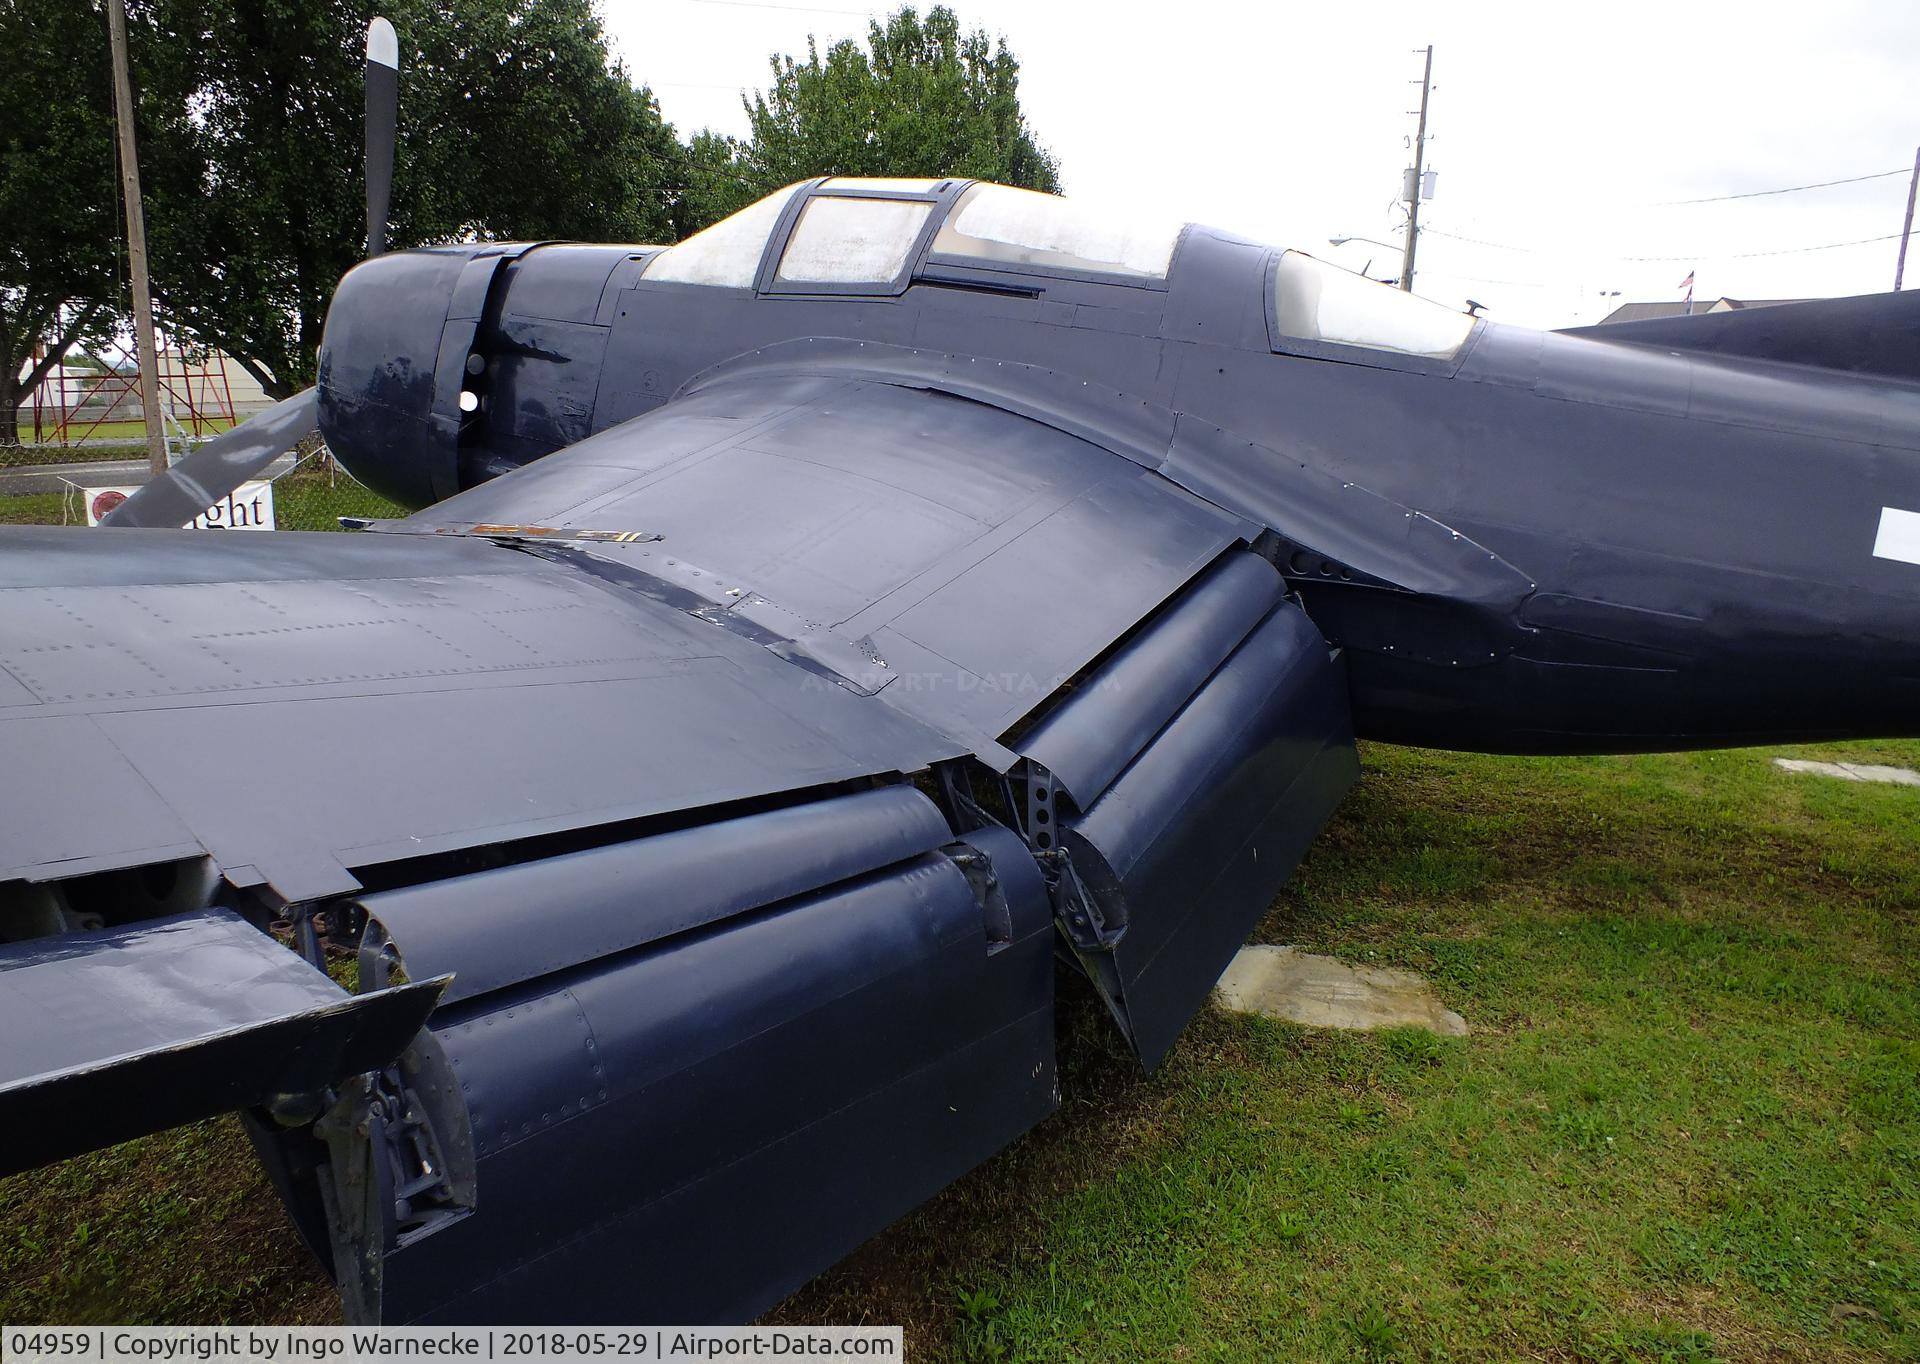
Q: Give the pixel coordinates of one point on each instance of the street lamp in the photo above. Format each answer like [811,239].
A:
[1342,241]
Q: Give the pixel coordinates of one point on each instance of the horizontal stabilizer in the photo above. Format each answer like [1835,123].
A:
[123,1031]
[1875,334]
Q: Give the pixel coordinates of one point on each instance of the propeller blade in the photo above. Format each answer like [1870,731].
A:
[383,119]
[219,466]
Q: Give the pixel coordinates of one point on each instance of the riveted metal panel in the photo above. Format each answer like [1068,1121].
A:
[433,693]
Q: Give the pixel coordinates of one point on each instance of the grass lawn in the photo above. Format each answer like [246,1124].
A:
[41,509]
[308,498]
[25,456]
[1686,1126]
[104,441]
[313,498]
[134,430]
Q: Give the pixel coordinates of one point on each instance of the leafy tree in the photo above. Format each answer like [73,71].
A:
[716,181]
[58,205]
[922,99]
[515,122]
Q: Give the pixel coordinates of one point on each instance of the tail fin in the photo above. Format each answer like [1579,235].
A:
[1876,334]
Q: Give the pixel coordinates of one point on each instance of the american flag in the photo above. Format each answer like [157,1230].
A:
[1687,284]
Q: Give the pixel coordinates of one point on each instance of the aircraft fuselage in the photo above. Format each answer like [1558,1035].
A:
[1547,542]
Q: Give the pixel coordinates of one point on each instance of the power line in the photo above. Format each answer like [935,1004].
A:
[1477,241]
[1482,279]
[1693,256]
[1750,255]
[1763,193]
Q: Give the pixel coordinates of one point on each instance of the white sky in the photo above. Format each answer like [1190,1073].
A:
[1553,127]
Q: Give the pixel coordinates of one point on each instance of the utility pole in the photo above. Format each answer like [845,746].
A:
[1906,228]
[136,240]
[1419,162]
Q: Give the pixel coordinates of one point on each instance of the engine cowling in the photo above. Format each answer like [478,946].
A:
[443,367]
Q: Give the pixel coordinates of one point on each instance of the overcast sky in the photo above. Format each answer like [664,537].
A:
[1561,130]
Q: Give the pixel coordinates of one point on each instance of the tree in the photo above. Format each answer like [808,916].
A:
[923,99]
[59,208]
[716,182]
[515,123]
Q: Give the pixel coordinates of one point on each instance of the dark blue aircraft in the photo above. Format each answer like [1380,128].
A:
[810,635]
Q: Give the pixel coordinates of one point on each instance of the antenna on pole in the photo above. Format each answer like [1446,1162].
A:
[136,240]
[1416,184]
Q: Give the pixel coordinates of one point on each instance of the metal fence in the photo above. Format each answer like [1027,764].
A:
[55,485]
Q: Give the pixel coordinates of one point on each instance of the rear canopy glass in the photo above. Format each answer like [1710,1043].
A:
[1315,301]
[1020,227]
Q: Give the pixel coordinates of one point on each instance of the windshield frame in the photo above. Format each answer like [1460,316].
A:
[767,281]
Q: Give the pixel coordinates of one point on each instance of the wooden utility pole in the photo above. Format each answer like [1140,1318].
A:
[136,240]
[1906,228]
[1419,164]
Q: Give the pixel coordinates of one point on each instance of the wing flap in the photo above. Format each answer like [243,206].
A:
[118,1032]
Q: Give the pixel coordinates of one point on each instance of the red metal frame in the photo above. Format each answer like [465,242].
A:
[195,392]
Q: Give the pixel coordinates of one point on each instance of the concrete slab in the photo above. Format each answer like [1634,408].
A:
[1893,776]
[1320,992]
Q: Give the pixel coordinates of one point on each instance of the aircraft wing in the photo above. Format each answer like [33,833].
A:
[736,764]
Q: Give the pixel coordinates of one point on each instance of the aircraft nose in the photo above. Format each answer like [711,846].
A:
[392,368]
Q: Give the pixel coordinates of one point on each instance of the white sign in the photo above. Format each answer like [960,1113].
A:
[247,507]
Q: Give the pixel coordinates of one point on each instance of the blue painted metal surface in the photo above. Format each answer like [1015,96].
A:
[618,729]
[493,929]
[436,695]
[1095,733]
[1185,851]
[742,1102]
[894,559]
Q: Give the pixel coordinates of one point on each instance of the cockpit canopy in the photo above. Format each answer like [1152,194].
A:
[1317,302]
[869,237]
[869,232]
[1017,227]
[727,254]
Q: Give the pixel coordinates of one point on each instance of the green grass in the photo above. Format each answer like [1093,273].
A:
[104,441]
[309,498]
[25,456]
[1686,1126]
[41,509]
[313,498]
[134,430]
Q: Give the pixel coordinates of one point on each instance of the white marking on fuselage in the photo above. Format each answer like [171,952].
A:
[1899,536]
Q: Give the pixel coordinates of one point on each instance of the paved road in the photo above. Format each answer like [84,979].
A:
[100,473]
